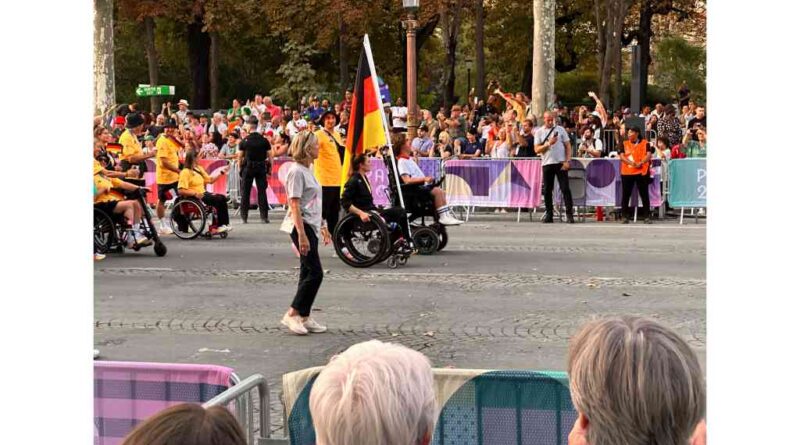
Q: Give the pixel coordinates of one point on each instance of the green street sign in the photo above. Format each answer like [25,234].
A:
[158,90]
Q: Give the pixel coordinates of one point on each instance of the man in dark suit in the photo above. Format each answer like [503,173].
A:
[253,153]
[357,197]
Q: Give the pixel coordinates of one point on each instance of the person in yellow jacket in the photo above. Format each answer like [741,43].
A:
[167,170]
[132,155]
[113,202]
[328,167]
[192,183]
[634,166]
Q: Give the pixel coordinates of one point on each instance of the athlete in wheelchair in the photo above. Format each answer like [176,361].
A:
[195,207]
[368,234]
[121,215]
[423,198]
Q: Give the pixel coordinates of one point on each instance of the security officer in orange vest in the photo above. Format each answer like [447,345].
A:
[635,170]
[328,166]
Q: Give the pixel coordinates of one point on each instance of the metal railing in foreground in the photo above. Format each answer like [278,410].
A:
[241,392]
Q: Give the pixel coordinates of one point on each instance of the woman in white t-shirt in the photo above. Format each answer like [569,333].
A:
[305,225]
[502,145]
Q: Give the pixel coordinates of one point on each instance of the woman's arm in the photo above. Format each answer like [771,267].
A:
[297,217]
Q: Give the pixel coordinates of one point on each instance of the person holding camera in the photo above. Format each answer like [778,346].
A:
[552,143]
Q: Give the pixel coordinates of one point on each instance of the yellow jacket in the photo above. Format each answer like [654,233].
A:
[328,166]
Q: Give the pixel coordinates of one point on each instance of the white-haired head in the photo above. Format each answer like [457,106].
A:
[374,393]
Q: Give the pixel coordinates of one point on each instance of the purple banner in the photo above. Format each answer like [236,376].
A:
[494,182]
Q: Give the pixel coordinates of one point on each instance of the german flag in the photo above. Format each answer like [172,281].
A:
[365,129]
[114,148]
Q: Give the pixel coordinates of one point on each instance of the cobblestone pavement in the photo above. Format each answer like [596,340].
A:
[501,295]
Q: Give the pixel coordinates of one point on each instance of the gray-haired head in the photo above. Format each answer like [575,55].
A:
[636,382]
[374,393]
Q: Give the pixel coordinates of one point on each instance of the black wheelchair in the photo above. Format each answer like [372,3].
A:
[189,218]
[364,244]
[429,235]
[111,234]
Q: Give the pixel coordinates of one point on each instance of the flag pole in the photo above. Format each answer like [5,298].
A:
[374,77]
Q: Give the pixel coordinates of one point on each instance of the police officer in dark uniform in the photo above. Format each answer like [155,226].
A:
[253,153]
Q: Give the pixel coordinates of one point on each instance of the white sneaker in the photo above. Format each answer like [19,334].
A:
[99,257]
[496,210]
[165,230]
[228,228]
[449,220]
[295,324]
[141,240]
[503,211]
[311,325]
[222,229]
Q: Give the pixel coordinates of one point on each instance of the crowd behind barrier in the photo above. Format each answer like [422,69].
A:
[508,183]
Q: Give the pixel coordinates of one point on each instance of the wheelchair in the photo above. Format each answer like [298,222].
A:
[189,218]
[429,236]
[111,233]
[364,244]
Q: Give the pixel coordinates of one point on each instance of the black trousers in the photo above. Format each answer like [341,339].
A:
[220,204]
[259,175]
[310,273]
[549,174]
[642,183]
[331,198]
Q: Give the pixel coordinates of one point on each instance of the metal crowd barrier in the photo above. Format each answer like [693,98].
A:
[240,394]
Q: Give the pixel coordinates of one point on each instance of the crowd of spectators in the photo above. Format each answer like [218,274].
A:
[499,127]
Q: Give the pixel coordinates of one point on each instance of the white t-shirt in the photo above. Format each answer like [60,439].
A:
[398,112]
[500,150]
[408,167]
[557,153]
[294,127]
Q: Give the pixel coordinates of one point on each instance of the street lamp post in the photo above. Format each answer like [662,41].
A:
[410,22]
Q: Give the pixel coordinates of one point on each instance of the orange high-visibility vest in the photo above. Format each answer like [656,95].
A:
[638,152]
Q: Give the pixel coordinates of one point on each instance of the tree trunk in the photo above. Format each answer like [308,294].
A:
[618,76]
[608,56]
[601,33]
[152,59]
[199,49]
[342,56]
[213,70]
[480,57]
[104,91]
[544,55]
[645,35]
[450,28]
[622,11]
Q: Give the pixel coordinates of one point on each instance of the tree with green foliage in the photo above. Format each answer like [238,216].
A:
[677,60]
[297,73]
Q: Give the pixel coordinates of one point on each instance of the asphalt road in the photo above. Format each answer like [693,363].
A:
[501,295]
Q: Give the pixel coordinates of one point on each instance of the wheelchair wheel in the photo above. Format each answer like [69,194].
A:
[160,248]
[104,232]
[442,236]
[187,219]
[361,244]
[426,240]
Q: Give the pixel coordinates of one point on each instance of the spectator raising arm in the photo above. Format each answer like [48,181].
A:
[600,108]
